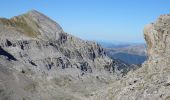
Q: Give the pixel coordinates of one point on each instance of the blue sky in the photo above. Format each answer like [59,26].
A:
[106,20]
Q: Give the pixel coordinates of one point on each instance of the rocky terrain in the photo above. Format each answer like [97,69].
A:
[39,61]
[152,80]
[131,54]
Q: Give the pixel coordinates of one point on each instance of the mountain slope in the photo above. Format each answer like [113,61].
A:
[151,81]
[48,63]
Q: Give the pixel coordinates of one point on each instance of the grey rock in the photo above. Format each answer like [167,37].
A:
[50,64]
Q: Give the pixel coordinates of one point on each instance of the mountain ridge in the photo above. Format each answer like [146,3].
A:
[50,63]
[131,54]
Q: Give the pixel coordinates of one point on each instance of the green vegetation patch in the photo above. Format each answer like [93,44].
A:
[24,24]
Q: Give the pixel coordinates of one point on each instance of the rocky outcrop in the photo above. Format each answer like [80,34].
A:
[151,81]
[157,37]
[54,64]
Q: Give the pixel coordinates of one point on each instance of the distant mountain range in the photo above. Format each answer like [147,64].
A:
[106,44]
[131,53]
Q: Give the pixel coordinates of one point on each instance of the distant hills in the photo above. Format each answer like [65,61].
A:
[106,44]
[131,53]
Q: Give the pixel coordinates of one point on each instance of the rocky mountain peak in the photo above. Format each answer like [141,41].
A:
[41,57]
[34,12]
[34,24]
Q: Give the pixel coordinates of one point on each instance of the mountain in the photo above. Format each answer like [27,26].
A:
[113,45]
[131,54]
[39,61]
[151,81]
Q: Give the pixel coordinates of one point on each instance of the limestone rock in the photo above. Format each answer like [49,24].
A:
[50,64]
[157,37]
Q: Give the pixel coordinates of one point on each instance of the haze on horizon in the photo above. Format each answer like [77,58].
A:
[101,20]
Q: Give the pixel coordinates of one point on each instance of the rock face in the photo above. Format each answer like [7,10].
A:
[157,37]
[39,61]
[152,80]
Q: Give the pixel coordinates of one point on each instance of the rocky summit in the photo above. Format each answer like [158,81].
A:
[39,61]
[152,80]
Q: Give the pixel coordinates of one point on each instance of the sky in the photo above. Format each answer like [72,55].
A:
[99,20]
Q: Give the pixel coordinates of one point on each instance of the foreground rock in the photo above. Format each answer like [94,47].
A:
[39,61]
[152,80]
